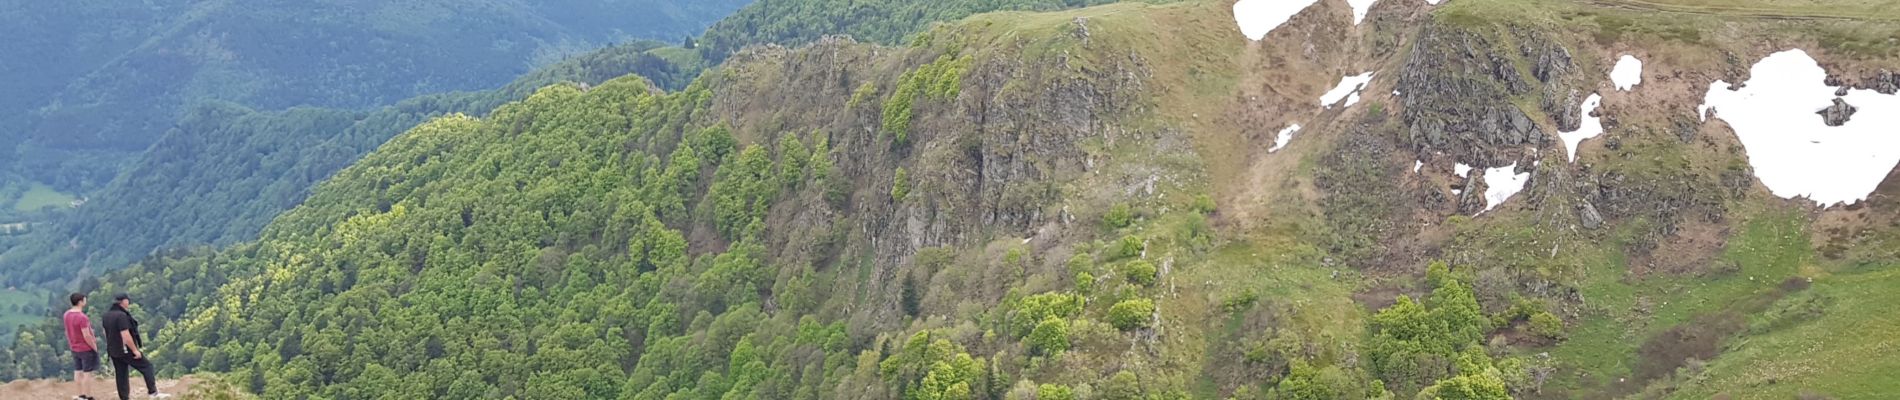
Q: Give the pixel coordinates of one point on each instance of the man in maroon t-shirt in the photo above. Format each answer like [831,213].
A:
[84,345]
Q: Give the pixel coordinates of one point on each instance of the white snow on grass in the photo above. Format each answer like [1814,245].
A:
[1627,73]
[1501,183]
[1591,127]
[1463,170]
[1416,165]
[1348,89]
[1433,2]
[1794,153]
[1286,135]
[1359,9]
[1258,17]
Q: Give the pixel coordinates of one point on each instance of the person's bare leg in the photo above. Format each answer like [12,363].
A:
[85,383]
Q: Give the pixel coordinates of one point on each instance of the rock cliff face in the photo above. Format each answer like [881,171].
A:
[1459,85]
[984,163]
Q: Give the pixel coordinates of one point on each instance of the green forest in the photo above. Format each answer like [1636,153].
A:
[216,177]
[225,171]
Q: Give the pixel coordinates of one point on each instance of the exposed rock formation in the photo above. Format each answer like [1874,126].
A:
[1837,114]
[1459,85]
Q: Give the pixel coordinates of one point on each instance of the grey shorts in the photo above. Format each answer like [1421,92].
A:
[86,361]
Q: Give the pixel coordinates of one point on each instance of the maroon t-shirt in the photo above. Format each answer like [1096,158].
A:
[76,324]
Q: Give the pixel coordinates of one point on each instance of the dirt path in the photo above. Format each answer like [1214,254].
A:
[45,389]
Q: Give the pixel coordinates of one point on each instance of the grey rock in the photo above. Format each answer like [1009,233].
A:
[1885,82]
[1587,213]
[1458,90]
[1082,29]
[1837,114]
[1568,111]
[1685,128]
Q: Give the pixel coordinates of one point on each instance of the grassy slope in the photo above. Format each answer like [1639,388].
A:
[1849,352]
[12,300]
[1194,56]
[39,195]
[1840,354]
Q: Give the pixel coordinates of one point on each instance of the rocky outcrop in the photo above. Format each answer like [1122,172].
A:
[1837,114]
[1567,111]
[1587,214]
[1885,82]
[1458,87]
[982,162]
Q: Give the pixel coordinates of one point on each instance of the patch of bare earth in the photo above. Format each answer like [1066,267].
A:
[49,389]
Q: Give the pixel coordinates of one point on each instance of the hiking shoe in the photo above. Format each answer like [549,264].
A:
[156,395]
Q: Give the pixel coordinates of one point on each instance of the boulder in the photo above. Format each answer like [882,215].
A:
[1587,214]
[1837,114]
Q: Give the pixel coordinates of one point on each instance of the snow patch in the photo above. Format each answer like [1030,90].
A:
[1792,151]
[1286,135]
[1359,9]
[1500,183]
[1347,89]
[1433,2]
[1463,170]
[1416,165]
[1258,17]
[1591,126]
[1627,73]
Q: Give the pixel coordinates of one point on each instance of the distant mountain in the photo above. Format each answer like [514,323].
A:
[225,170]
[116,75]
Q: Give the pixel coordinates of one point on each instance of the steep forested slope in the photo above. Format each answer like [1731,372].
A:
[190,190]
[1110,202]
[226,170]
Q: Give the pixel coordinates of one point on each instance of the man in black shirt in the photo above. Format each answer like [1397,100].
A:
[122,345]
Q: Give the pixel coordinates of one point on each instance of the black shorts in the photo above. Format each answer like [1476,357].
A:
[86,361]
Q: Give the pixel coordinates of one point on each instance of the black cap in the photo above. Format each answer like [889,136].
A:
[121,297]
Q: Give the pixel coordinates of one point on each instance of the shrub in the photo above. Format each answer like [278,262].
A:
[1054,392]
[1080,262]
[1128,247]
[1084,283]
[1119,216]
[1051,337]
[1204,204]
[1034,309]
[900,186]
[1131,314]
[1545,324]
[1139,272]
[1123,386]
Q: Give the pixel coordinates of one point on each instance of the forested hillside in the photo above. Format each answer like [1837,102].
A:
[1489,199]
[101,81]
[196,187]
[225,171]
